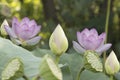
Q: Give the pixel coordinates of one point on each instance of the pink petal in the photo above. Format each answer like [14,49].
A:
[16,41]
[92,38]
[86,32]
[93,31]
[15,28]
[15,20]
[92,45]
[103,48]
[36,31]
[33,28]
[78,48]
[10,31]
[97,43]
[25,19]
[103,36]
[31,23]
[33,41]
[24,32]
[80,38]
[15,24]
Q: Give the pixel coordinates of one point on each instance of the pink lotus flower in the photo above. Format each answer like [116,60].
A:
[90,40]
[24,32]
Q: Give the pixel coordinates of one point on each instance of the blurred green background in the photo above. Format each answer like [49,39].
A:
[73,15]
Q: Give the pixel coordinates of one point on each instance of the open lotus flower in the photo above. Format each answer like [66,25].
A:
[90,40]
[23,32]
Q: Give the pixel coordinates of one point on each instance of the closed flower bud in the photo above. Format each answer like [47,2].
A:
[58,42]
[112,65]
[2,28]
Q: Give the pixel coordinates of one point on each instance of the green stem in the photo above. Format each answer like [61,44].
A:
[106,25]
[25,77]
[81,70]
[57,58]
[111,77]
[36,77]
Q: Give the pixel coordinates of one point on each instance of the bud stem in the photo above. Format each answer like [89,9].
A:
[36,77]
[79,73]
[106,25]
[25,77]
[111,77]
[57,58]
[107,19]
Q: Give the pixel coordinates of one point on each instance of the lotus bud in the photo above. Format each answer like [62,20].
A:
[58,42]
[112,64]
[2,29]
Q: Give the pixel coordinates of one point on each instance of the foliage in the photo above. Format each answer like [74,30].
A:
[40,63]
[71,62]
[74,15]
[8,51]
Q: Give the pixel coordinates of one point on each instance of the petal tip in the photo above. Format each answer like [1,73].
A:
[77,47]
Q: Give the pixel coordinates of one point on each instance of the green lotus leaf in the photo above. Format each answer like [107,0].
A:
[13,70]
[49,70]
[92,61]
